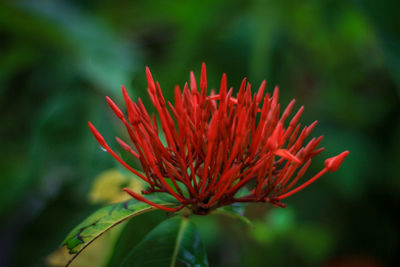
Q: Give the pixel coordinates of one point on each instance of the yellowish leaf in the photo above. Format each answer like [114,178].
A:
[107,187]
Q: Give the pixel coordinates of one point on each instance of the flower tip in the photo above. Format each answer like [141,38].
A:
[115,108]
[276,91]
[122,143]
[90,125]
[133,194]
[97,135]
[332,164]
[126,190]
[287,155]
[203,78]
[150,80]
[124,91]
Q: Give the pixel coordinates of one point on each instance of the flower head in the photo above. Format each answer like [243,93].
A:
[216,145]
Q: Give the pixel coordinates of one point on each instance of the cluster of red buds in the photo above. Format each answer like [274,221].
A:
[217,144]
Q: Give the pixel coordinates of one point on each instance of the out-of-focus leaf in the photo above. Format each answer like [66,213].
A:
[235,210]
[281,220]
[102,220]
[313,242]
[100,55]
[175,242]
[277,223]
[107,187]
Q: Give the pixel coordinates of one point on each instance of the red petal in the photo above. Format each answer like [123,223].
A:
[287,155]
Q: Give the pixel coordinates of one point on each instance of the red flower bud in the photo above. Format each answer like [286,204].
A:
[332,164]
[97,135]
[115,108]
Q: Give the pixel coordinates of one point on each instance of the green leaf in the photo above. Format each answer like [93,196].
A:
[102,220]
[174,242]
[235,210]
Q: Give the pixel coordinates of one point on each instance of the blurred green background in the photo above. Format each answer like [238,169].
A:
[341,59]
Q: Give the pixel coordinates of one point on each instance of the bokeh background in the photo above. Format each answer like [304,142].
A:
[341,59]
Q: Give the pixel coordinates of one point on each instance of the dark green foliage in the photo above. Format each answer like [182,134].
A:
[175,242]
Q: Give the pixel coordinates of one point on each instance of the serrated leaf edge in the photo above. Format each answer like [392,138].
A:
[108,228]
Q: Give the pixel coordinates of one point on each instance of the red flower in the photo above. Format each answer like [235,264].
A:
[216,145]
